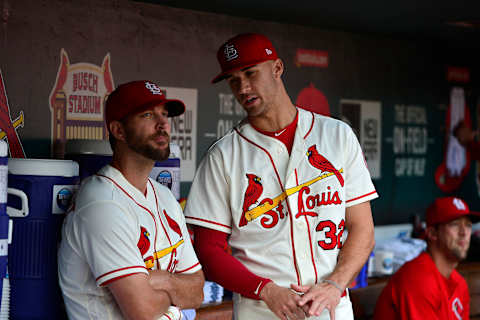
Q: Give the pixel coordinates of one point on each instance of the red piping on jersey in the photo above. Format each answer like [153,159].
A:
[118,278]
[166,315]
[165,230]
[158,211]
[156,233]
[288,205]
[309,237]
[138,204]
[212,222]
[172,256]
[117,270]
[311,126]
[374,191]
[182,271]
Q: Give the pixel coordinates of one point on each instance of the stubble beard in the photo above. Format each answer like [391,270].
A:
[141,146]
[459,253]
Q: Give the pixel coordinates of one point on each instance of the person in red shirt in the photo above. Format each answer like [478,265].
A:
[429,287]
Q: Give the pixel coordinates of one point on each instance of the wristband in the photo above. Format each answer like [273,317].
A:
[333,283]
[259,289]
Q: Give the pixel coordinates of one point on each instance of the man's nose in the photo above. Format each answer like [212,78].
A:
[244,86]
[464,229]
[162,120]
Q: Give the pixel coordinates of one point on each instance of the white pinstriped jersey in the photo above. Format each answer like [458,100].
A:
[285,214]
[116,231]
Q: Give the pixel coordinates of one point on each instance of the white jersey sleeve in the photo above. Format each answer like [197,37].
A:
[107,236]
[210,207]
[358,184]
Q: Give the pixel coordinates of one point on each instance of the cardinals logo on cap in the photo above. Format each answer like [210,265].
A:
[230,52]
[459,204]
[154,89]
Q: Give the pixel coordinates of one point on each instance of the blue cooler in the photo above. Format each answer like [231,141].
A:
[39,193]
[92,155]
[4,232]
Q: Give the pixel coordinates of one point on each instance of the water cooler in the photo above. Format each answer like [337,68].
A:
[91,155]
[4,234]
[39,194]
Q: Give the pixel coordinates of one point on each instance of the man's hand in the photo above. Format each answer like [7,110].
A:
[319,297]
[283,302]
[185,290]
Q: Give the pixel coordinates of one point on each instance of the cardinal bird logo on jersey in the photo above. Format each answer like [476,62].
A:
[144,242]
[321,163]
[253,192]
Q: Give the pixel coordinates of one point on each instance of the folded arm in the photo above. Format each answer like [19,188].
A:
[185,290]
[137,299]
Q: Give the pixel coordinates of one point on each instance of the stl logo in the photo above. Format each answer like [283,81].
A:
[154,89]
[230,52]
[459,204]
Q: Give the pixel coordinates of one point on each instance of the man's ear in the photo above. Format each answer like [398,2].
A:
[278,68]
[432,233]
[117,130]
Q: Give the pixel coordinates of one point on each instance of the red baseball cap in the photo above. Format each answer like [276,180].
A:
[242,51]
[446,209]
[137,96]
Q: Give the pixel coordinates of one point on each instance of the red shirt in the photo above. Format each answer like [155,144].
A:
[419,291]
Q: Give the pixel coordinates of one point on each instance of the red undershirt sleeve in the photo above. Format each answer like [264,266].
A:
[221,267]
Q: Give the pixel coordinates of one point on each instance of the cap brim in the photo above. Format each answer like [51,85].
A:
[175,107]
[474,216]
[223,75]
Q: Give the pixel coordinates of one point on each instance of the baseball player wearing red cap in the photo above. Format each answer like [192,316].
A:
[281,187]
[429,287]
[125,251]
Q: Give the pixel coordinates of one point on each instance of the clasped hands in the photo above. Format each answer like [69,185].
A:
[301,302]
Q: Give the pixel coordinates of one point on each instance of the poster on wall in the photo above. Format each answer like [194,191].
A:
[184,129]
[77,101]
[365,118]
[8,128]
[410,140]
[230,112]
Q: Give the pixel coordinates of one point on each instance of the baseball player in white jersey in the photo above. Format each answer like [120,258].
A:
[125,251]
[283,187]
